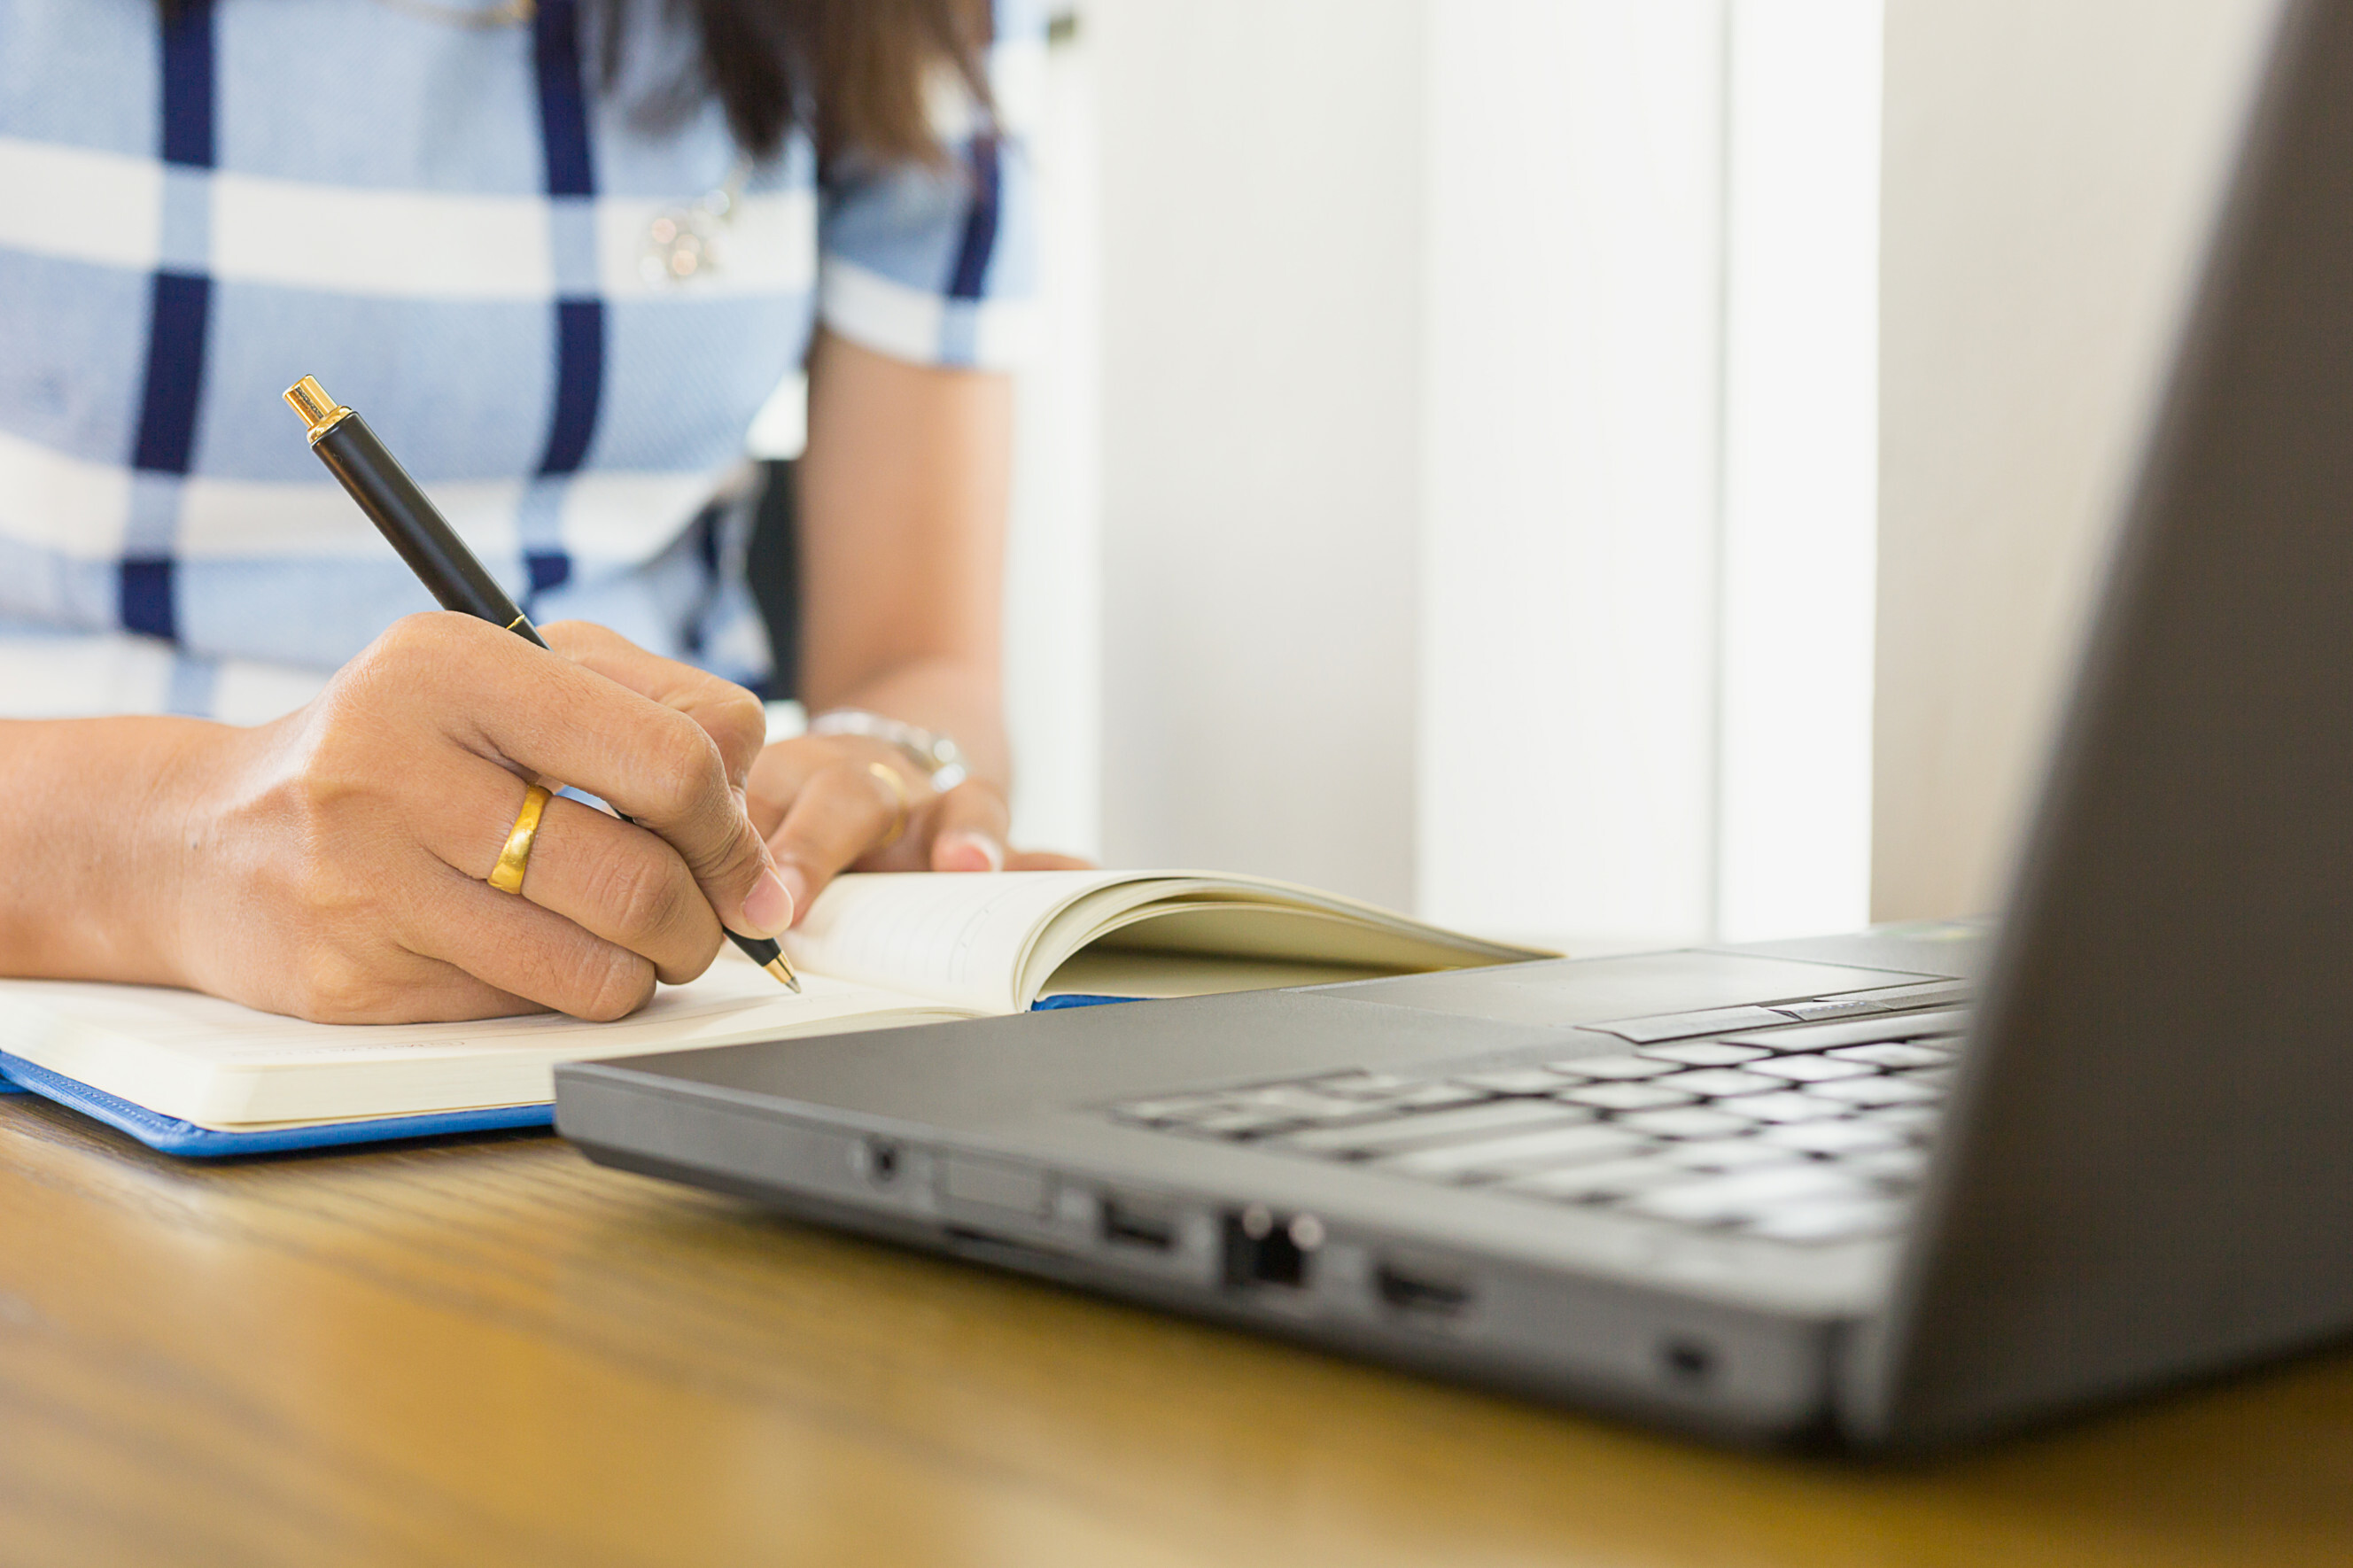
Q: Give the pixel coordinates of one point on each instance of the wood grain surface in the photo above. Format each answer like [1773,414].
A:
[488,1351]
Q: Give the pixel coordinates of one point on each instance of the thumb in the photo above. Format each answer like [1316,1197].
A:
[968,834]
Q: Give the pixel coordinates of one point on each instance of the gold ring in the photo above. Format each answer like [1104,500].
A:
[889,775]
[507,875]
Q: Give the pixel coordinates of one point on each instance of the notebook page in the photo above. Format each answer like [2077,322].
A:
[960,938]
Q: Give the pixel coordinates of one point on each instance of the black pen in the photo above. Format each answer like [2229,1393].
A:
[434,552]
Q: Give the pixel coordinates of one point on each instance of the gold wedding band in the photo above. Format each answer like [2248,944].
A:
[507,875]
[889,775]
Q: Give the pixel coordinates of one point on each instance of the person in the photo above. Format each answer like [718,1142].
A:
[559,254]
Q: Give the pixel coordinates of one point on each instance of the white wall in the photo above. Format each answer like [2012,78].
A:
[2048,174]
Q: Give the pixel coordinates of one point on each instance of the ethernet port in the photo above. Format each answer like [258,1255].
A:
[1263,1247]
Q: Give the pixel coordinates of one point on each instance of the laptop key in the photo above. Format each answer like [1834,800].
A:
[1703,1053]
[1590,1142]
[1847,1136]
[1626,1096]
[1366,1085]
[1686,1122]
[1900,1168]
[1511,1081]
[1880,1089]
[1303,1103]
[1786,1106]
[1747,1195]
[1428,1098]
[1486,1120]
[1811,1069]
[1894,1054]
[1245,1121]
[1604,1183]
[1611,1067]
[1172,1108]
[1918,1123]
[1713,1083]
[1721,1154]
[1829,1219]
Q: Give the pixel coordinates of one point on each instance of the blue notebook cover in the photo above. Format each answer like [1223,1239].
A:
[172,1136]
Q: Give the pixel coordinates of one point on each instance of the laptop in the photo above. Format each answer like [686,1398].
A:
[1894,1189]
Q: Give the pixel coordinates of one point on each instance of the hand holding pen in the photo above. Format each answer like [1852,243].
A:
[567,907]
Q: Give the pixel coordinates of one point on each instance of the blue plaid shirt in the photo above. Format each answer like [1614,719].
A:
[450,228]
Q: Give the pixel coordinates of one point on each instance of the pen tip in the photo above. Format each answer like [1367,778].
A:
[784,971]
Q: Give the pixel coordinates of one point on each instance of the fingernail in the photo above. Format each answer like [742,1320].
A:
[965,850]
[768,907]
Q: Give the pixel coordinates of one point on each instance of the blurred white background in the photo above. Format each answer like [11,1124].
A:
[1606,473]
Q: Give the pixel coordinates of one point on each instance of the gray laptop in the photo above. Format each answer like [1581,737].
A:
[1890,1189]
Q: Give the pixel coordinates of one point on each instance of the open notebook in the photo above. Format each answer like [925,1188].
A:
[195,1074]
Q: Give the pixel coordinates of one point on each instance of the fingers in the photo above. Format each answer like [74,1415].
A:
[1045,861]
[968,829]
[513,946]
[843,810]
[613,880]
[733,718]
[551,717]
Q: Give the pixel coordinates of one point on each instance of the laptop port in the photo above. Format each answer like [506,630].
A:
[1266,1248]
[1422,1295]
[1687,1361]
[1125,1224]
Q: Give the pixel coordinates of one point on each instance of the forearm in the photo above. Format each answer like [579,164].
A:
[903,494]
[92,840]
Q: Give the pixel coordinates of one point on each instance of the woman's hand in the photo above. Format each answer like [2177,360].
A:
[825,808]
[332,864]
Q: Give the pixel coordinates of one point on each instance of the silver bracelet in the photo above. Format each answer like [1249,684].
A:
[941,759]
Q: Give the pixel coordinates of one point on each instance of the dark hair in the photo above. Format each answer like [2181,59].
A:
[853,70]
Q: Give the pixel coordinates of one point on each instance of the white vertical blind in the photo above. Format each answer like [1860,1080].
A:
[1489,450]
[1800,467]
[1053,593]
[1570,363]
[1261,292]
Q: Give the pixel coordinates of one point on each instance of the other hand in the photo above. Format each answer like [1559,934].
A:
[823,809]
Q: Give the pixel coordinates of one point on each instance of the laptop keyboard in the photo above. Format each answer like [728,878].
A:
[1800,1133]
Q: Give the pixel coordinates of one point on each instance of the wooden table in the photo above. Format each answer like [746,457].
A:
[487,1350]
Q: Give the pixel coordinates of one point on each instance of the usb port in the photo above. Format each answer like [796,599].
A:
[1125,1225]
[1422,1294]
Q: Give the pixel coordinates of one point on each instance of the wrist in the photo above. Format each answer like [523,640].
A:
[181,843]
[96,846]
[938,760]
